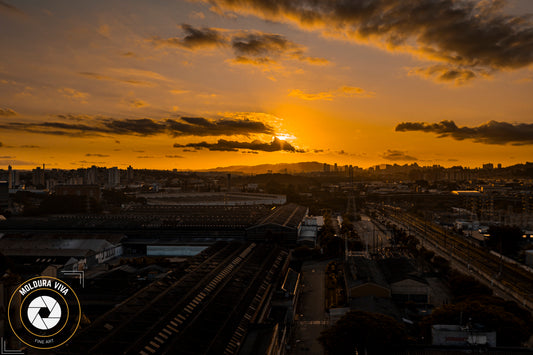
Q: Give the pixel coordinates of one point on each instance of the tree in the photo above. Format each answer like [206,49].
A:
[463,286]
[358,330]
[504,239]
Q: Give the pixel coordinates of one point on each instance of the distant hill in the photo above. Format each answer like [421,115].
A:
[291,168]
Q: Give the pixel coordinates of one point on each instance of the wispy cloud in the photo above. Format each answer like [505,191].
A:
[74,94]
[6,112]
[492,132]
[96,155]
[344,91]
[233,146]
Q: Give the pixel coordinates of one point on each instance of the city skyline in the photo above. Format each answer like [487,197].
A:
[204,84]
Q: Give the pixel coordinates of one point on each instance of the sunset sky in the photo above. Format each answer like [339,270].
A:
[199,84]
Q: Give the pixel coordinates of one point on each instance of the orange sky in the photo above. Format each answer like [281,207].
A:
[200,84]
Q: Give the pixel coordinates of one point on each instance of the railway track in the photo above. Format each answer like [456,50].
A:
[510,278]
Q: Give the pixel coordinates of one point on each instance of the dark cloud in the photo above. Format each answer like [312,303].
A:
[249,47]
[6,7]
[194,38]
[448,74]
[492,132]
[465,34]
[7,157]
[234,146]
[96,155]
[183,126]
[29,146]
[5,112]
[396,155]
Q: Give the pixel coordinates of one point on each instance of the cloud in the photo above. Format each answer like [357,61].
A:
[17,162]
[396,155]
[73,94]
[463,34]
[233,146]
[6,112]
[343,91]
[137,103]
[194,38]
[492,132]
[96,155]
[198,15]
[328,96]
[174,156]
[179,92]
[10,9]
[448,74]
[29,146]
[87,126]
[249,47]
[97,76]
[104,31]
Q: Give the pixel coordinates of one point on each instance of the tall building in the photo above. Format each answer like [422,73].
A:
[130,174]
[113,176]
[4,196]
[10,177]
[38,176]
[92,176]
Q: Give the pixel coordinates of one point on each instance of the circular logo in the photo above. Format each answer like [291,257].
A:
[44,312]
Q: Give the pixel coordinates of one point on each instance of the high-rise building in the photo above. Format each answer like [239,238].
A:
[130,174]
[92,176]
[4,195]
[10,177]
[113,176]
[38,176]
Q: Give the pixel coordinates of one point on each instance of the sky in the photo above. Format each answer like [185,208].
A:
[170,84]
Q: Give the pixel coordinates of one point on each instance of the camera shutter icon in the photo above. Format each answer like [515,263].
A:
[44,312]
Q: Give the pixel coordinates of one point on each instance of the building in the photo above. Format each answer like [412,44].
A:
[308,231]
[113,177]
[199,307]
[364,279]
[88,191]
[4,195]
[73,252]
[38,177]
[456,335]
[130,174]
[394,278]
[10,177]
[92,176]
[281,225]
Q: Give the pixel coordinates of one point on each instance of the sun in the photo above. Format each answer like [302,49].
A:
[285,137]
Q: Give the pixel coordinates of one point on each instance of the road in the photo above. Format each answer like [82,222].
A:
[311,315]
[371,235]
